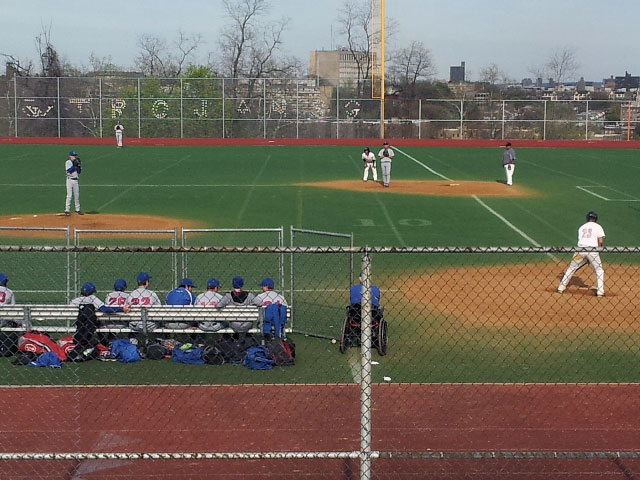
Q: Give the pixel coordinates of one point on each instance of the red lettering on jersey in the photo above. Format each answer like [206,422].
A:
[146,301]
[3,296]
[135,301]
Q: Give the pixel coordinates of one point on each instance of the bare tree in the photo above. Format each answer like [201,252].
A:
[538,71]
[355,26]
[563,64]
[250,43]
[49,60]
[159,59]
[412,64]
[491,74]
[21,68]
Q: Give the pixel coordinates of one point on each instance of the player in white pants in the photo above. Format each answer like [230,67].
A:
[369,160]
[509,162]
[590,235]
[386,157]
[119,130]
[73,168]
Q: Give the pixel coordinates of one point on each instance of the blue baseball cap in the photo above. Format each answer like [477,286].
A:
[143,277]
[213,283]
[120,285]
[267,282]
[186,282]
[88,288]
[73,153]
[385,143]
[3,279]
[238,282]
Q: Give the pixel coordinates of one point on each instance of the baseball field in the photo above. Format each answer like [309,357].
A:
[479,329]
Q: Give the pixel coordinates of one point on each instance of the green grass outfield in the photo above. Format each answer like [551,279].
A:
[248,187]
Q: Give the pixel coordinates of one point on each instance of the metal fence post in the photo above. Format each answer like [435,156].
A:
[503,119]
[100,105]
[338,109]
[223,101]
[139,113]
[264,108]
[58,104]
[461,117]
[297,108]
[365,382]
[586,122]
[15,103]
[544,122]
[181,108]
[419,118]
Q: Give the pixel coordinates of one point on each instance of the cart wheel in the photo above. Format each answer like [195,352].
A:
[382,338]
[345,341]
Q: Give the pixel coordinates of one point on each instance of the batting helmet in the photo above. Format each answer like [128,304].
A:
[3,279]
[88,288]
[592,215]
[120,285]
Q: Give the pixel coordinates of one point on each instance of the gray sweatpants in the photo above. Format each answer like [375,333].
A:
[385,166]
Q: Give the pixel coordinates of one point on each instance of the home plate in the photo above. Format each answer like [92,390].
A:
[14,218]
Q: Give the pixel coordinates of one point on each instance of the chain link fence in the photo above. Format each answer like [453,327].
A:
[472,365]
[289,108]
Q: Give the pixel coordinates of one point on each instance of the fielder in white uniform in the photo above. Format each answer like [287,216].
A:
[386,157]
[591,235]
[369,160]
[143,297]
[6,295]
[119,129]
[509,162]
[73,169]
[210,298]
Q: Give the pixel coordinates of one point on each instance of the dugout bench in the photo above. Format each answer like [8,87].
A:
[62,318]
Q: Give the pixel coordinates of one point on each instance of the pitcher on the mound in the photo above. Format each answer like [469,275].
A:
[591,235]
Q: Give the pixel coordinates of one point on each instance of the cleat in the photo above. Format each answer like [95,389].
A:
[67,213]
[80,212]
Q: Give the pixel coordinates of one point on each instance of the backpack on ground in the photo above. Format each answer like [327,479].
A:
[156,351]
[233,351]
[187,353]
[275,318]
[40,342]
[283,351]
[86,324]
[125,351]
[258,358]
[8,343]
[212,355]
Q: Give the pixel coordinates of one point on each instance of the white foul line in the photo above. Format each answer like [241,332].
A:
[507,222]
[423,165]
[592,193]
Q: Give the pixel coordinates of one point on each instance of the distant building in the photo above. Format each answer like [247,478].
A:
[335,66]
[527,82]
[457,74]
[627,83]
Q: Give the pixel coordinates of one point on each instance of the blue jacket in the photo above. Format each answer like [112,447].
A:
[355,295]
[180,296]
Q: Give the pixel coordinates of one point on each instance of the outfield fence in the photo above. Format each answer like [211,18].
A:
[290,108]
[486,370]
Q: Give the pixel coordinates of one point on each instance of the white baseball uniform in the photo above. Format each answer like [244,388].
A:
[87,300]
[116,299]
[143,297]
[237,297]
[588,235]
[72,187]
[369,163]
[119,130]
[6,296]
[209,299]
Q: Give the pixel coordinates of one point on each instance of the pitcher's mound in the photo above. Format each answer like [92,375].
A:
[459,188]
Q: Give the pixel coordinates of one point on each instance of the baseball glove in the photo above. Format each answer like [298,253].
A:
[76,162]
[385,154]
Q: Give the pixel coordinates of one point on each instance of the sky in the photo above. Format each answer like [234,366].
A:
[516,35]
